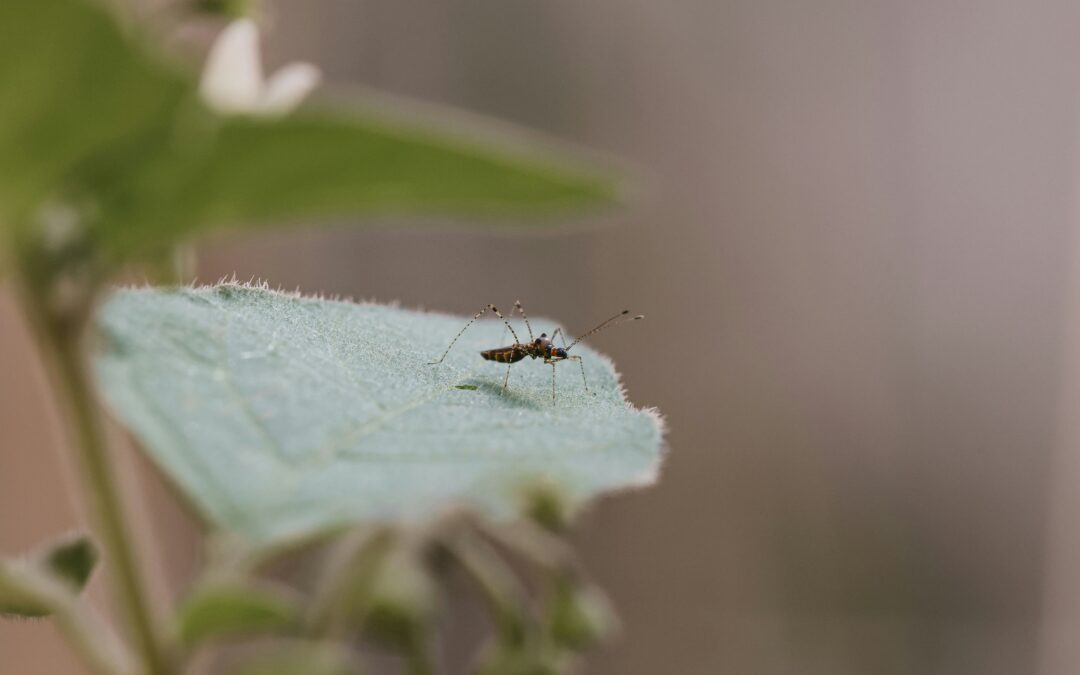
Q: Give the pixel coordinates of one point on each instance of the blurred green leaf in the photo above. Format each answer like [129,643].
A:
[301,659]
[71,559]
[530,658]
[31,586]
[228,609]
[72,85]
[579,615]
[229,8]
[281,415]
[398,602]
[90,117]
[255,171]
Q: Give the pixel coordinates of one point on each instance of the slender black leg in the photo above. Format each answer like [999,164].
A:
[470,322]
[559,332]
[519,308]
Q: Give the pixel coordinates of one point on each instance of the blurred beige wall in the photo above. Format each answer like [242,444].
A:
[855,262]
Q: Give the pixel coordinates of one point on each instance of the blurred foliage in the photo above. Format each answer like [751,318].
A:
[234,608]
[29,587]
[95,124]
[72,559]
[283,417]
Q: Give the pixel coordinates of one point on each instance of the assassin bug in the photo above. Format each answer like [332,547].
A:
[542,347]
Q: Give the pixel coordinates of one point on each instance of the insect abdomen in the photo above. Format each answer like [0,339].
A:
[504,354]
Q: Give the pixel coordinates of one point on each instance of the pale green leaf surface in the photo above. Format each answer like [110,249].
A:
[280,415]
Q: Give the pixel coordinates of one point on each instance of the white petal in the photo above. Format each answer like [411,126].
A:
[232,79]
[288,86]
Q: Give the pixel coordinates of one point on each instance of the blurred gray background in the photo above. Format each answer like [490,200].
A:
[856,257]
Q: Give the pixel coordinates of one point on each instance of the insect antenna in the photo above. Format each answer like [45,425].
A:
[604,324]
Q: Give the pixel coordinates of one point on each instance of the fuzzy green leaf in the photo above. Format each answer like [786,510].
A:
[280,415]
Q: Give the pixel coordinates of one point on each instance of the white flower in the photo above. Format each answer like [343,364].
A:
[232,80]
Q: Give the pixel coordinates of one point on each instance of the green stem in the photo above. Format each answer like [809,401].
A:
[101,486]
[419,656]
[500,587]
[97,646]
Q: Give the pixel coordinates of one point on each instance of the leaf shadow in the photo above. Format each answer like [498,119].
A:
[507,397]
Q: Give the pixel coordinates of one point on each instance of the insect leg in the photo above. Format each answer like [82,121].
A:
[519,308]
[559,332]
[498,314]
[553,384]
[506,379]
[461,332]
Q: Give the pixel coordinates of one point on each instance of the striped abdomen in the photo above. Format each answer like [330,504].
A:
[505,354]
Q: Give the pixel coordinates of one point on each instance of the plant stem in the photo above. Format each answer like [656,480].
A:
[419,656]
[99,649]
[101,486]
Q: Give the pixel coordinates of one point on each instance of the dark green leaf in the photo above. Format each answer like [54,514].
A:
[31,587]
[256,171]
[281,415]
[72,560]
[89,118]
[72,85]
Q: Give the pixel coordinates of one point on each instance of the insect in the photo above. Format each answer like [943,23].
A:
[542,347]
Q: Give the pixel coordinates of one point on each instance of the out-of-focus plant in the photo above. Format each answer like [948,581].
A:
[291,424]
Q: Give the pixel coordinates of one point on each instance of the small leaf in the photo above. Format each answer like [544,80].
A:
[301,659]
[281,415]
[72,560]
[398,602]
[547,506]
[530,658]
[30,587]
[230,609]
[579,615]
